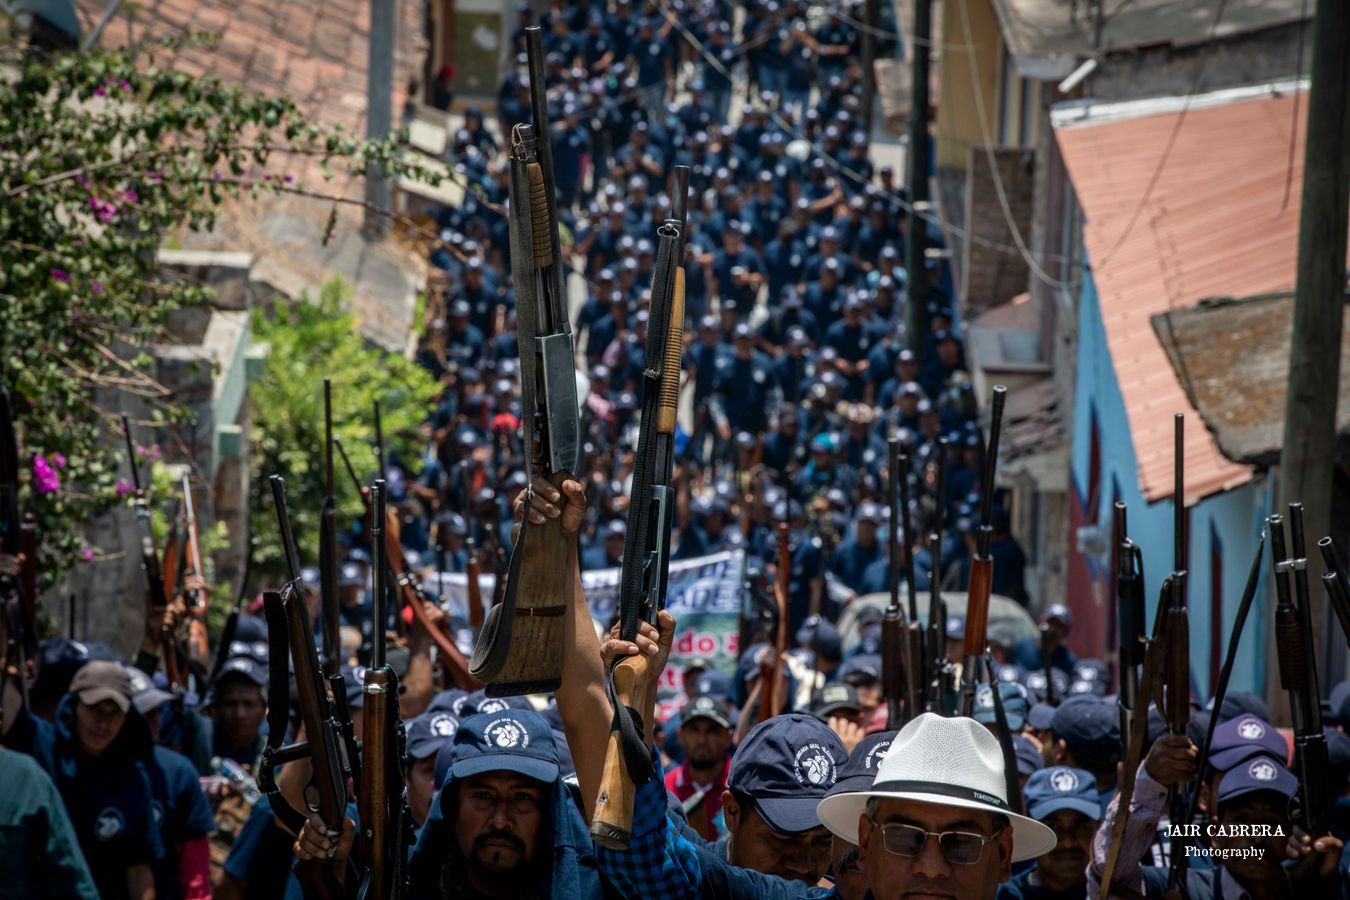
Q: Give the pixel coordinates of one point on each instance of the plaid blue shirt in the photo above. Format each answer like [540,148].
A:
[662,862]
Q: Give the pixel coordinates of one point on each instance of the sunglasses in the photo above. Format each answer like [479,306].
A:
[958,847]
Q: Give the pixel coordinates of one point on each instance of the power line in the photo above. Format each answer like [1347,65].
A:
[836,164]
[1004,206]
[1171,141]
[1293,128]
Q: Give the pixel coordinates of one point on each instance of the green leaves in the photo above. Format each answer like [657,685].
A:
[310,341]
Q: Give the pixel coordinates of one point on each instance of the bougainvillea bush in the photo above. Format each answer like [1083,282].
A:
[102,155]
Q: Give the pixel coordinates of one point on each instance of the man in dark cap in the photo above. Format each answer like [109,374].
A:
[99,753]
[860,549]
[238,711]
[1027,651]
[700,782]
[1087,736]
[427,734]
[1065,800]
[503,825]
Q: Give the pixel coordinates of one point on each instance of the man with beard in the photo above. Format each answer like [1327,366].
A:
[705,734]
[504,825]
[1064,799]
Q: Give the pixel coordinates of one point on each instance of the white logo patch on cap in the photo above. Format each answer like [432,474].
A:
[984,698]
[109,824]
[1262,770]
[1251,730]
[443,725]
[1064,781]
[813,765]
[875,754]
[506,733]
[493,706]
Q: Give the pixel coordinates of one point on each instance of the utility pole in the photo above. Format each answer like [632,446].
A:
[379,109]
[871,14]
[916,160]
[1308,453]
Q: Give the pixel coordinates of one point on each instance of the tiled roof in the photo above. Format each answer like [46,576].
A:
[315,52]
[1242,404]
[1215,224]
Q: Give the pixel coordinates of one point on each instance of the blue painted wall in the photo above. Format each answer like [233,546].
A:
[1235,516]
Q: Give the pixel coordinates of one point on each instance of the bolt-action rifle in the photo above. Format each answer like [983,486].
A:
[290,636]
[981,566]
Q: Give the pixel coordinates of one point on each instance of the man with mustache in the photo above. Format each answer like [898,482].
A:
[1064,799]
[856,775]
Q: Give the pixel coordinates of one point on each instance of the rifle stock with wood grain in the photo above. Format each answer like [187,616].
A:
[982,565]
[651,512]
[519,649]
[773,684]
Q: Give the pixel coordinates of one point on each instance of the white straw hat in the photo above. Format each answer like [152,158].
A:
[948,762]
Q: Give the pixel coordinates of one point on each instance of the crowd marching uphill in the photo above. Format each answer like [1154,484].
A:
[671,320]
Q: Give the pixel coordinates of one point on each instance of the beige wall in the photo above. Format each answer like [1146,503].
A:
[958,127]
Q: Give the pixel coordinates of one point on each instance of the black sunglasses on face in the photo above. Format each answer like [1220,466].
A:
[958,847]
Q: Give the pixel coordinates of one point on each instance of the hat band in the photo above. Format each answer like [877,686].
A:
[954,791]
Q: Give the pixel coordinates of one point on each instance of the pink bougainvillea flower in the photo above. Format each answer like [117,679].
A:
[122,488]
[59,460]
[130,196]
[44,478]
[60,275]
[96,287]
[88,554]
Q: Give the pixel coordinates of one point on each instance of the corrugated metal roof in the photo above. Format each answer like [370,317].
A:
[1215,224]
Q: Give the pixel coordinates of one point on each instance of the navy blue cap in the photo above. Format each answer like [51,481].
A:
[861,669]
[1008,672]
[956,627]
[446,699]
[1057,611]
[480,702]
[1237,703]
[350,576]
[429,732]
[713,683]
[786,765]
[243,667]
[250,628]
[822,636]
[1034,681]
[1244,737]
[869,639]
[1015,704]
[1259,773]
[309,577]
[1040,716]
[832,698]
[358,554]
[1092,670]
[703,707]
[1090,726]
[1060,787]
[514,740]
[860,769]
[1029,758]
[1090,688]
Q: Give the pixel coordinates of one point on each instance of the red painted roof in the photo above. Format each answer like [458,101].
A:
[1215,224]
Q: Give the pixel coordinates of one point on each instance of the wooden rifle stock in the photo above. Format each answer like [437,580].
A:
[473,571]
[410,590]
[646,558]
[771,667]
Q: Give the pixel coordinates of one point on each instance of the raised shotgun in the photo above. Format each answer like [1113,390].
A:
[651,511]
[982,565]
[773,684]
[1176,705]
[196,592]
[519,649]
[1298,677]
[1129,624]
[156,595]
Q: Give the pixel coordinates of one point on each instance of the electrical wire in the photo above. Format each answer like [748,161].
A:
[1171,141]
[1293,128]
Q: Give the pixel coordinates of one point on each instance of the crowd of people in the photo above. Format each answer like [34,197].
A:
[800,368]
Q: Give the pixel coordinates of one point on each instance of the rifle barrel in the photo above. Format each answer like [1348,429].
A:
[377,567]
